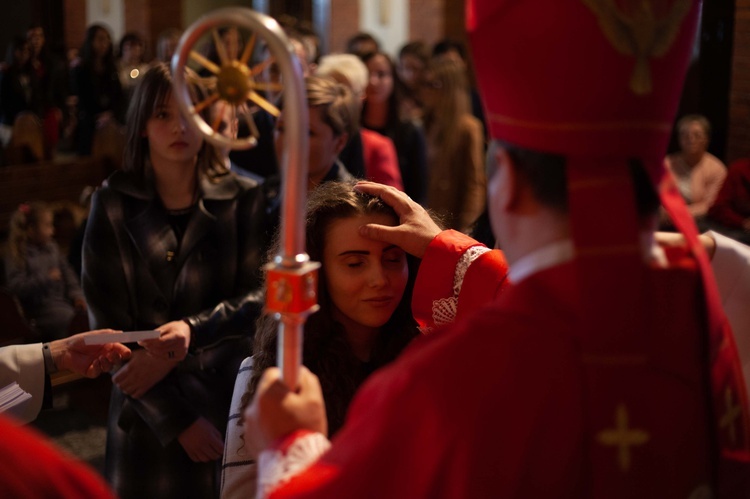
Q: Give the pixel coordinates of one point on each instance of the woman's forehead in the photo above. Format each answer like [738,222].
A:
[345,231]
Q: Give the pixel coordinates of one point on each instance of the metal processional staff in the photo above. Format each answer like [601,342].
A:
[291,279]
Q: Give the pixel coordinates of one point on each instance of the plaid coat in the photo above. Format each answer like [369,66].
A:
[138,274]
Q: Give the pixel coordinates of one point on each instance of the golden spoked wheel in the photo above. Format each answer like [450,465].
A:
[235,88]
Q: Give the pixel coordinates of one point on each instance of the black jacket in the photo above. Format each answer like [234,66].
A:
[137,274]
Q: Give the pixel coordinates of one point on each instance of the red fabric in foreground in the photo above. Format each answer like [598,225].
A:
[32,469]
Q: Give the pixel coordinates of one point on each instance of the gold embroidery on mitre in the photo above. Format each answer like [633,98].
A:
[639,34]
[623,437]
[730,416]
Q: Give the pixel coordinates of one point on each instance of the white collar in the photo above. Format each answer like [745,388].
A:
[541,259]
[564,251]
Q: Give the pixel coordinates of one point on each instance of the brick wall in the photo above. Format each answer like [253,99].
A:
[455,19]
[164,14]
[426,20]
[344,23]
[75,23]
[138,17]
[739,95]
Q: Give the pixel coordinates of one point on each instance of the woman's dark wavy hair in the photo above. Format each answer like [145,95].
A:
[325,350]
[154,90]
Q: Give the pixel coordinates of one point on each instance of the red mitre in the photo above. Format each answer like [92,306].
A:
[583,77]
[598,81]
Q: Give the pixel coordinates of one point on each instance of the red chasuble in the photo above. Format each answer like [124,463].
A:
[450,286]
[600,377]
[512,403]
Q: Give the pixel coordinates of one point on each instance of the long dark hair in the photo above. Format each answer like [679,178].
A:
[153,90]
[326,351]
[87,50]
[393,119]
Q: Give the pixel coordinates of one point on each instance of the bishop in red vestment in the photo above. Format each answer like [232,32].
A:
[606,368]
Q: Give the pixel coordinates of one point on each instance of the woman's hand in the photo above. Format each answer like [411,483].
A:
[416,228]
[202,441]
[140,374]
[173,343]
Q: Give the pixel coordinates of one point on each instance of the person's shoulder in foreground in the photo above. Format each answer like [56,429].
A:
[33,469]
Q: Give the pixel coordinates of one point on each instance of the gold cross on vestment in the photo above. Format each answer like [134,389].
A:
[622,437]
[731,415]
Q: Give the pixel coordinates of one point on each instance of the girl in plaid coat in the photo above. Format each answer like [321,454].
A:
[173,243]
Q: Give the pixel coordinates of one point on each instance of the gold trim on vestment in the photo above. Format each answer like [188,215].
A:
[659,126]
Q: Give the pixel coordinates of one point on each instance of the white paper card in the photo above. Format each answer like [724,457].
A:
[125,337]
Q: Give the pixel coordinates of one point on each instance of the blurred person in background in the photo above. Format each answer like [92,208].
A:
[96,84]
[698,173]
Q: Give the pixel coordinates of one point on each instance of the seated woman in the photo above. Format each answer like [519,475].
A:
[363,323]
[698,173]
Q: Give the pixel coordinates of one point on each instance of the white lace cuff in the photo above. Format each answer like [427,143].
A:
[444,309]
[276,467]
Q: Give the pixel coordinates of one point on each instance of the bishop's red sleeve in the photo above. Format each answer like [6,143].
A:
[457,277]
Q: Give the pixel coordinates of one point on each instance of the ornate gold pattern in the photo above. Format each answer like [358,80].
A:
[639,34]
[732,414]
[233,83]
[622,437]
